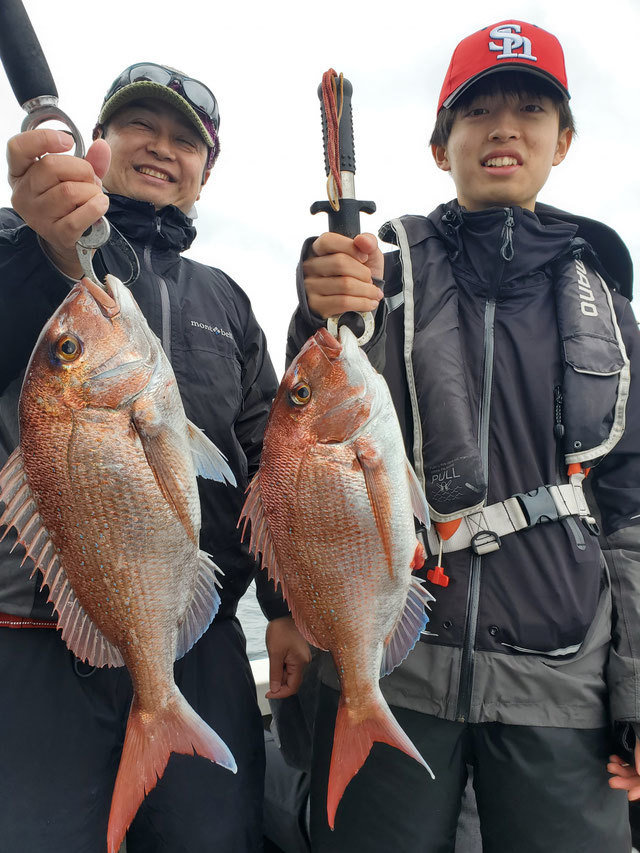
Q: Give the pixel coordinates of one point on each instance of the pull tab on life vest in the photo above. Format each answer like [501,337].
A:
[445,530]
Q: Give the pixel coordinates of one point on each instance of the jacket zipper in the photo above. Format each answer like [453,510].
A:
[165,303]
[465,684]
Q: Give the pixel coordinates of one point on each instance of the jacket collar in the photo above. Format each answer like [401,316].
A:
[168,229]
[509,239]
[476,239]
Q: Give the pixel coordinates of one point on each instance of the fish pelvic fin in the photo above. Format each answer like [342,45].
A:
[352,742]
[150,739]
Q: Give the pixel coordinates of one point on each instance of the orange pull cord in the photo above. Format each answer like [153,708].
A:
[333,114]
[445,530]
[576,468]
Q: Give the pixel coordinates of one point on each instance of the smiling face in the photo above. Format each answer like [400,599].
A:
[501,149]
[156,155]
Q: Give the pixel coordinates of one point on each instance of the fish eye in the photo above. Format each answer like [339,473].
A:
[68,348]
[300,394]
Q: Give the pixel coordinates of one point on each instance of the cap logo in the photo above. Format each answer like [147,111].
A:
[511,41]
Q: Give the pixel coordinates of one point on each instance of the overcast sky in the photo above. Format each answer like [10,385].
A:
[264,62]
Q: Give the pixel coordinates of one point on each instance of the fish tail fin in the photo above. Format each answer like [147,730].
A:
[149,741]
[352,742]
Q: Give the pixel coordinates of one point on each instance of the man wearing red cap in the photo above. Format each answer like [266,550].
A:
[513,359]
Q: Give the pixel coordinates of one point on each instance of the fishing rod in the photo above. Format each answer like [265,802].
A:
[32,82]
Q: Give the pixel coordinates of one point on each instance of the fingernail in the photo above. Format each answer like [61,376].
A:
[363,258]
[274,686]
[65,137]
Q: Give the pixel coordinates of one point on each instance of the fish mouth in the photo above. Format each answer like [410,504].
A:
[330,346]
[360,376]
[103,297]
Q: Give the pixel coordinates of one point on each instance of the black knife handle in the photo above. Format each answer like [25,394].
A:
[21,54]
[345,128]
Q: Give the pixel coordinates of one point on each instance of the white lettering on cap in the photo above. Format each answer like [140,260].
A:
[508,35]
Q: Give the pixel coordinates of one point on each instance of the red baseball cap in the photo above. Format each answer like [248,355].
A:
[507,46]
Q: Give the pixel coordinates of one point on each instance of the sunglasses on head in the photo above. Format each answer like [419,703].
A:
[195,92]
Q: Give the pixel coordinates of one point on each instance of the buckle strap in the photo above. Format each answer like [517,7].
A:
[482,530]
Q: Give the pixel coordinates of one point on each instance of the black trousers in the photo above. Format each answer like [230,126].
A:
[539,790]
[62,727]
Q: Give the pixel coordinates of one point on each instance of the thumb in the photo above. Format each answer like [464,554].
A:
[366,243]
[99,155]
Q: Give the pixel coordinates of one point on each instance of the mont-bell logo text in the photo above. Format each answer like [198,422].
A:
[512,41]
[585,293]
[216,330]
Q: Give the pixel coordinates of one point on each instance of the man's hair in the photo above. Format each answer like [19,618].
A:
[510,84]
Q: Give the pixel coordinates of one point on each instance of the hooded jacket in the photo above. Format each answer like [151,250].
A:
[217,350]
[540,631]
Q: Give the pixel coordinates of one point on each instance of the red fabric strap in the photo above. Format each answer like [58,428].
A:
[8,620]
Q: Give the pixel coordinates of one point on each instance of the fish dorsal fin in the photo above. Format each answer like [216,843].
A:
[80,634]
[208,461]
[376,478]
[418,500]
[407,631]
[21,512]
[203,607]
[261,543]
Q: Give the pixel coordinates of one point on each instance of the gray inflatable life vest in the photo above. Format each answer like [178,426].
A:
[595,382]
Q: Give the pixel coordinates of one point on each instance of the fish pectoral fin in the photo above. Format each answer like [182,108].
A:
[408,628]
[165,458]
[418,500]
[376,479]
[203,606]
[208,461]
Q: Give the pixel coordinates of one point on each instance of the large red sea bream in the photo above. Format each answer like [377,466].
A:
[102,491]
[332,513]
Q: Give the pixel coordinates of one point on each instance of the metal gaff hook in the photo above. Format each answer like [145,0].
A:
[45,108]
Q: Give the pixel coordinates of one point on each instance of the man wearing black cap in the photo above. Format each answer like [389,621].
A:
[63,721]
[513,360]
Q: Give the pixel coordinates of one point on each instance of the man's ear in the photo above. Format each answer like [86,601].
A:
[440,156]
[564,143]
[205,178]
[98,132]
